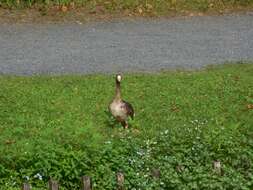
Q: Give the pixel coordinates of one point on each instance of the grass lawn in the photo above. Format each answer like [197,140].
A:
[58,126]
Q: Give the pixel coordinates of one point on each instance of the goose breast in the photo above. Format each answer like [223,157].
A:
[117,110]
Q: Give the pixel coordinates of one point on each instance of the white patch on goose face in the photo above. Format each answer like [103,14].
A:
[119,78]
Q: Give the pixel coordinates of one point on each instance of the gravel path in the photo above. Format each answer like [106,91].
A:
[126,45]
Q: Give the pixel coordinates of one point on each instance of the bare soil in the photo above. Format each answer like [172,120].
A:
[82,15]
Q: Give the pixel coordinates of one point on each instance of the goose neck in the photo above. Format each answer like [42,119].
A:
[118,93]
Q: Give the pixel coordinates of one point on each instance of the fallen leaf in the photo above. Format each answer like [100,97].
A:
[140,10]
[250,106]
[57,7]
[64,8]
[10,141]
[149,6]
[174,109]
[93,11]
[180,168]
[72,5]
[236,78]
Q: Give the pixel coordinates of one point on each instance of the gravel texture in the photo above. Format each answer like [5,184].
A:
[125,45]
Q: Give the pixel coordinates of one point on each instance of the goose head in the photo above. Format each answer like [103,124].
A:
[118,78]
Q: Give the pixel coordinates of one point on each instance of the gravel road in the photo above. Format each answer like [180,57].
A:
[125,45]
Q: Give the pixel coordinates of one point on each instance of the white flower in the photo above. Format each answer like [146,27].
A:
[131,161]
[140,153]
[38,175]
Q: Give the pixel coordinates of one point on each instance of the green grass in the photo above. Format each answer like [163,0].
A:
[58,126]
[147,7]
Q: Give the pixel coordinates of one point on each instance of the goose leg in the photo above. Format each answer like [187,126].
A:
[124,124]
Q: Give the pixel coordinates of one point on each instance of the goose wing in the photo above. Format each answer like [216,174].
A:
[129,109]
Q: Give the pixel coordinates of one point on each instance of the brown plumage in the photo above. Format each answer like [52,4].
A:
[119,108]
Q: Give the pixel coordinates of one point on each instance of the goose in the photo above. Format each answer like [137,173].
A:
[119,108]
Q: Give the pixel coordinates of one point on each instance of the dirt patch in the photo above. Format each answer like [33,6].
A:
[82,15]
[47,16]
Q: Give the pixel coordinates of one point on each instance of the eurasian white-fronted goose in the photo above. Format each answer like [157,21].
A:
[119,108]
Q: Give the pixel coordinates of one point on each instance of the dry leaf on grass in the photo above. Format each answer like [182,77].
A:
[64,8]
[10,141]
[72,5]
[250,106]
[140,10]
